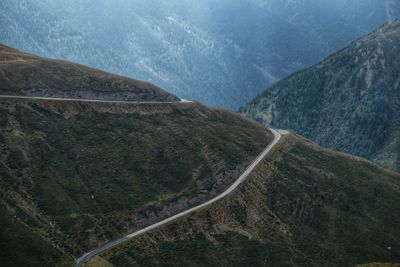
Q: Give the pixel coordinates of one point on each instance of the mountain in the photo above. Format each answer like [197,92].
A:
[303,206]
[220,52]
[77,174]
[29,75]
[348,102]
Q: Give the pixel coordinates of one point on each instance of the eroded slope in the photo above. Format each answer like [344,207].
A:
[304,206]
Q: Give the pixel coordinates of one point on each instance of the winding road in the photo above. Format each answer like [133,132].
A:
[85,258]
[94,100]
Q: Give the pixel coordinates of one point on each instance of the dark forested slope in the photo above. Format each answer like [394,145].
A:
[220,52]
[349,102]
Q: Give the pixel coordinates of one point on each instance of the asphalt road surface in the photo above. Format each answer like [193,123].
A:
[85,258]
[93,100]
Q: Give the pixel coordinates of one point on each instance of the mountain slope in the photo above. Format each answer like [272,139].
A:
[76,174]
[220,52]
[303,206]
[348,102]
[82,174]
[30,75]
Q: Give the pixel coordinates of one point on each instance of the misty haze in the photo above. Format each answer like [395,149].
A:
[200,133]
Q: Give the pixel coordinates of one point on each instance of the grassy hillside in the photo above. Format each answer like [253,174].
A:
[74,175]
[303,206]
[348,102]
[26,74]
[20,246]
[377,264]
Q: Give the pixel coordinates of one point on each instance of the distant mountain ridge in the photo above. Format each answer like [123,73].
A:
[25,74]
[220,52]
[349,102]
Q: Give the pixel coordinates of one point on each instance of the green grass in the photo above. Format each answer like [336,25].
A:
[99,262]
[26,74]
[304,206]
[20,246]
[225,250]
[377,264]
[82,179]
[340,210]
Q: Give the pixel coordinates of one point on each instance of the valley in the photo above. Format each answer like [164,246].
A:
[219,52]
[98,169]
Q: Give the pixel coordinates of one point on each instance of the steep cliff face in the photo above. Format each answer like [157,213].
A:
[30,75]
[348,102]
[303,206]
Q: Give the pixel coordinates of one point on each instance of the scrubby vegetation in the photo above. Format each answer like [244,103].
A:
[26,74]
[304,206]
[78,180]
[20,246]
[377,264]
